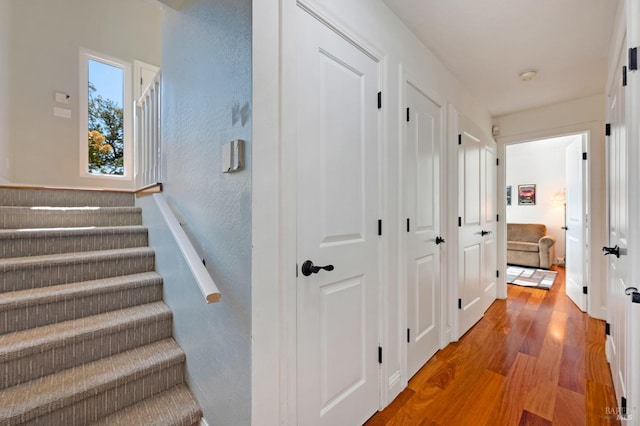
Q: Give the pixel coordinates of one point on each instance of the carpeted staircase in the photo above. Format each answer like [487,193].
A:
[84,335]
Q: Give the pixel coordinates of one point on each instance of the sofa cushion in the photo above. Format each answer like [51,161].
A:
[520,246]
[526,232]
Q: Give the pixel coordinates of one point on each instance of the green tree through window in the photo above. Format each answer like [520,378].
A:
[105,123]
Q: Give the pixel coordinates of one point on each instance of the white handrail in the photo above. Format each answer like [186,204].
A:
[205,282]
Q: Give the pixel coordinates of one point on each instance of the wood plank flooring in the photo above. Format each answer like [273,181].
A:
[534,359]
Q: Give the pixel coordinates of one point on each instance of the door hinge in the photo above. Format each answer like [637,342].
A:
[623,407]
[408,335]
[408,225]
[408,116]
[379,100]
[379,354]
[607,329]
[497,218]
[624,75]
[584,155]
[460,139]
[607,129]
[459,303]
[379,227]
[497,274]
[141,82]
[459,221]
[296,270]
[497,161]
[585,290]
[633,58]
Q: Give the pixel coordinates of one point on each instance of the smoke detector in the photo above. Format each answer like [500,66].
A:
[528,75]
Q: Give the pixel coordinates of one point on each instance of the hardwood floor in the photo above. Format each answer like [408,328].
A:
[534,359]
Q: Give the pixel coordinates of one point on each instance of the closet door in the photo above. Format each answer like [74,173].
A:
[422,208]
[476,224]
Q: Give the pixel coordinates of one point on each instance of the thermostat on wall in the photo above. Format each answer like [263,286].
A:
[233,156]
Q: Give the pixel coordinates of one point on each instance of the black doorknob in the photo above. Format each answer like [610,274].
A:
[439,240]
[309,268]
[611,250]
[483,232]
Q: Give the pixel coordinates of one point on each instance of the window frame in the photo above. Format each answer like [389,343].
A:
[127,114]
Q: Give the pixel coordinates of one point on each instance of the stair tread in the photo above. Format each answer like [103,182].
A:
[43,295]
[37,397]
[71,209]
[173,407]
[38,339]
[11,234]
[61,258]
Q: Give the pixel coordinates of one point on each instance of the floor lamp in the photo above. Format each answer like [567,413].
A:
[560,197]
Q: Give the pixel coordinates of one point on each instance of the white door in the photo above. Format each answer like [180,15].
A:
[143,75]
[422,207]
[575,232]
[476,229]
[337,225]
[617,267]
[489,223]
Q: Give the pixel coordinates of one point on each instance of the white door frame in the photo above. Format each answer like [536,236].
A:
[595,273]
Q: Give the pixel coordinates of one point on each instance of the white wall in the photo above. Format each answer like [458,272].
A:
[5,90]
[371,23]
[580,115]
[541,163]
[206,103]
[47,35]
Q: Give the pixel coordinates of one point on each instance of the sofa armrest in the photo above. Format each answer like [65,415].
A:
[546,242]
[547,251]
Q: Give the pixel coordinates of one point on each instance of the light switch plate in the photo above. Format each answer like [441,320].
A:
[61,112]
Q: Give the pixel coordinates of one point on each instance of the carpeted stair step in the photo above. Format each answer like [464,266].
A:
[173,407]
[61,217]
[38,352]
[64,197]
[84,394]
[22,273]
[37,242]
[20,310]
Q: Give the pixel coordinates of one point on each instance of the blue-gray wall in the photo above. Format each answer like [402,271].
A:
[206,72]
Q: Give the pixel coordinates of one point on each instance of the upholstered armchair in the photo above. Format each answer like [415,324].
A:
[529,245]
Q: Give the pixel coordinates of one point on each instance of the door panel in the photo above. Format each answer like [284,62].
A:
[477,225]
[575,235]
[422,192]
[617,268]
[337,205]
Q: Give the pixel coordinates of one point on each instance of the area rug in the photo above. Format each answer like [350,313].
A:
[530,277]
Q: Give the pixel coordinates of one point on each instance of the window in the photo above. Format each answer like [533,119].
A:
[105,116]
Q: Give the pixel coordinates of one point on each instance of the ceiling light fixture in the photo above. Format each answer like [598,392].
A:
[528,75]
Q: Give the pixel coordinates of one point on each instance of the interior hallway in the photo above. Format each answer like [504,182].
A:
[534,359]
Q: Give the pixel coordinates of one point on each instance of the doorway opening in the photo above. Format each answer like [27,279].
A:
[547,194]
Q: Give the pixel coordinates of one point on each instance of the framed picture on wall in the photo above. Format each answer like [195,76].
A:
[526,195]
[508,195]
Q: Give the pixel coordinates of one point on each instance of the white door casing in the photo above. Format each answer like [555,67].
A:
[617,267]
[337,224]
[476,231]
[422,209]
[575,223]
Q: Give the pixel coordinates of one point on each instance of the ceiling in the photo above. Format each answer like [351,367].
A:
[488,43]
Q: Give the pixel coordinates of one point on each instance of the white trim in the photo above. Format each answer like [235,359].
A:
[127,116]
